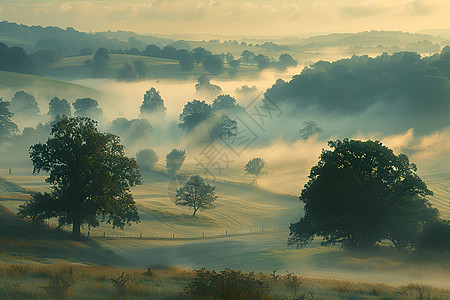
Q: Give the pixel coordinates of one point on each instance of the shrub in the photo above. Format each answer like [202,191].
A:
[125,285]
[60,284]
[227,284]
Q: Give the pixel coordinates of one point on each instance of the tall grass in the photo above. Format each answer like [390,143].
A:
[103,282]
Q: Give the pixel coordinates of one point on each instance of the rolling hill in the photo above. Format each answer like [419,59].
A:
[44,87]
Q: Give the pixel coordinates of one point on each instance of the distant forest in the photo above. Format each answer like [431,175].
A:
[68,41]
[414,86]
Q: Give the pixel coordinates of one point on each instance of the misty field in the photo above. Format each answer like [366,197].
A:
[248,229]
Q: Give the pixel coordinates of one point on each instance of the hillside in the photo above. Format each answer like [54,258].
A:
[241,208]
[23,242]
[368,38]
[42,86]
[71,68]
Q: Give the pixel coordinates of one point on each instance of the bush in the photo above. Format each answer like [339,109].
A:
[227,284]
[147,158]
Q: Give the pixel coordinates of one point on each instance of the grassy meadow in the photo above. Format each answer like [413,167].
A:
[247,230]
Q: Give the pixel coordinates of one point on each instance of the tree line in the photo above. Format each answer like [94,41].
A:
[410,85]
[16,59]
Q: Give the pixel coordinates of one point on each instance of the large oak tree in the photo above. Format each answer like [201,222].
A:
[90,176]
[361,193]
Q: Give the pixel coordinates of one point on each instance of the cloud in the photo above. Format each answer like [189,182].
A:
[65,7]
[364,9]
[400,142]
[419,8]
[229,16]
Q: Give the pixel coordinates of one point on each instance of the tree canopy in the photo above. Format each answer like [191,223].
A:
[87,107]
[174,160]
[128,73]
[194,112]
[196,194]
[100,65]
[309,128]
[361,193]
[90,176]
[187,62]
[102,52]
[223,127]
[59,107]
[213,64]
[142,69]
[200,54]
[7,127]
[24,104]
[205,87]
[256,167]
[226,103]
[153,103]
[147,158]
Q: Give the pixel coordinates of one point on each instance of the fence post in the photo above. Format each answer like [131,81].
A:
[140,235]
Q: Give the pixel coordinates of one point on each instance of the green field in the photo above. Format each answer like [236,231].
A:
[43,87]
[71,68]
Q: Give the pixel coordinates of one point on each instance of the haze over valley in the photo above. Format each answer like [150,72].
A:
[141,143]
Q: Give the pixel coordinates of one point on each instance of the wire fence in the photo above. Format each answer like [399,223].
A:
[180,236]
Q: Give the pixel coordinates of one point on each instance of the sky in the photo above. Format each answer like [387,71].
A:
[231,17]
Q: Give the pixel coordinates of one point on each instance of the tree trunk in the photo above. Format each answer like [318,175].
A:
[76,225]
[195,210]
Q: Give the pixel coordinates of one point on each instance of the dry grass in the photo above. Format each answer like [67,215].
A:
[102,282]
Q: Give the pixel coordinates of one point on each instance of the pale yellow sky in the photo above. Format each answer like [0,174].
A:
[253,17]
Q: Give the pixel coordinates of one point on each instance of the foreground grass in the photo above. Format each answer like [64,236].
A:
[21,241]
[22,281]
